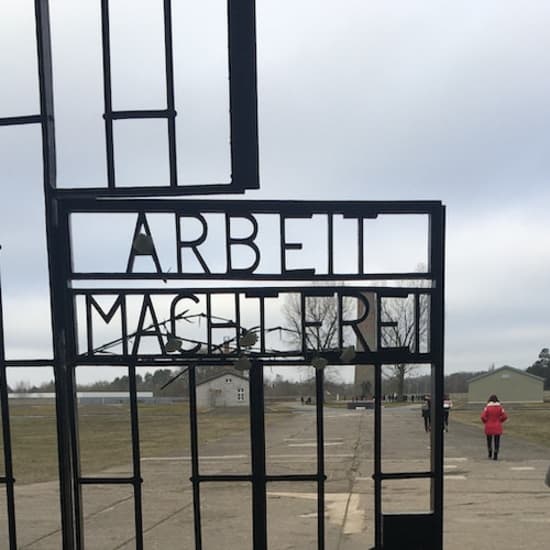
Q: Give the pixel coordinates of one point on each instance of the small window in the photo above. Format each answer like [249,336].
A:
[228,380]
[505,376]
[240,394]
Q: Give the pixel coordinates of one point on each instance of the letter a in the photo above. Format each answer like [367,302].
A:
[142,244]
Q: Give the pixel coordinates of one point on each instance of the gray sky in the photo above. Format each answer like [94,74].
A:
[357,100]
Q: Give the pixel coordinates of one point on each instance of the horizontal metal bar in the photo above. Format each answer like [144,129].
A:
[109,480]
[149,191]
[290,276]
[29,363]
[220,478]
[74,202]
[19,120]
[296,477]
[4,479]
[255,292]
[139,114]
[405,475]
[248,478]
[272,360]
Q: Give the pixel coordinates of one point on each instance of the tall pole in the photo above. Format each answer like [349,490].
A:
[62,332]
[6,436]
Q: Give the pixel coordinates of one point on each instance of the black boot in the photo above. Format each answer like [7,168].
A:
[490,453]
[495,456]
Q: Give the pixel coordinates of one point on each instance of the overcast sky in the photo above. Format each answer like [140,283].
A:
[357,100]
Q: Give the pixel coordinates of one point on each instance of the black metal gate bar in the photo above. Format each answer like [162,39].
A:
[136,458]
[257,440]
[7,478]
[437,339]
[20,120]
[377,465]
[194,443]
[170,93]
[72,403]
[107,93]
[58,252]
[319,403]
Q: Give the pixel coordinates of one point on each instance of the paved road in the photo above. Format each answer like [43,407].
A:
[488,505]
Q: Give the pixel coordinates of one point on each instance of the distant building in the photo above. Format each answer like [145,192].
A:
[509,384]
[228,388]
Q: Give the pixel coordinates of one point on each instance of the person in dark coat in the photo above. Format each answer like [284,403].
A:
[447,406]
[493,416]
[426,413]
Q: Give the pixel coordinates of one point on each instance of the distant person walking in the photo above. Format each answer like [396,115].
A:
[447,406]
[426,413]
[493,416]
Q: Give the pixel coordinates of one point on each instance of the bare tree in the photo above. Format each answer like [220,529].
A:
[323,312]
[403,333]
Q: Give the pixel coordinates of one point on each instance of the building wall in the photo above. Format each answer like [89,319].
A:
[223,392]
[509,385]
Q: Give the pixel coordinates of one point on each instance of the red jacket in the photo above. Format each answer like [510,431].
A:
[493,416]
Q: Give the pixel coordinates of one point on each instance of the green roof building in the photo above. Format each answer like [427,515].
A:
[509,384]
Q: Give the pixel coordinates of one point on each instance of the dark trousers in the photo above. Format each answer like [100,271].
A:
[493,448]
[446,419]
[427,421]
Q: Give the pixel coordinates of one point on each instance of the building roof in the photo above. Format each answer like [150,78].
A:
[224,372]
[505,367]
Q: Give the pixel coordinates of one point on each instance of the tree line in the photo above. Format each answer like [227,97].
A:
[174,383]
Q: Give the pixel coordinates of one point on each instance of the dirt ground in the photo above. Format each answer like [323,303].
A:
[488,505]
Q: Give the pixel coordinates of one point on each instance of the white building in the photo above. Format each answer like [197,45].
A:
[228,388]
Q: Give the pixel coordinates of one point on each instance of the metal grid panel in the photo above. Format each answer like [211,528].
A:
[244,175]
[242,105]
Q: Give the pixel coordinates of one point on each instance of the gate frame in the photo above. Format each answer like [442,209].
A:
[245,176]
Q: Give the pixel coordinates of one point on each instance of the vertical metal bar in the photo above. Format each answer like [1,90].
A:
[262,324]
[107,92]
[243,94]
[257,441]
[436,335]
[72,404]
[6,436]
[89,325]
[319,390]
[378,457]
[136,458]
[195,472]
[361,246]
[330,231]
[63,253]
[58,279]
[209,323]
[170,95]
[238,328]
[417,323]
[303,329]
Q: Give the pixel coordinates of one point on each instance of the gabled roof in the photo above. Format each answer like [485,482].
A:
[224,372]
[505,367]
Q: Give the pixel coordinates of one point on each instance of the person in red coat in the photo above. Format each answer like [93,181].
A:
[493,416]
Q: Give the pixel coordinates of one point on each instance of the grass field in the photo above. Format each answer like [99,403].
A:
[105,435]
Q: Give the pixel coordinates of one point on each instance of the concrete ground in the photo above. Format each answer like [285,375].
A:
[488,505]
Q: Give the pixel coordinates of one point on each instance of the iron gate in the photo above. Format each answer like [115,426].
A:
[70,300]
